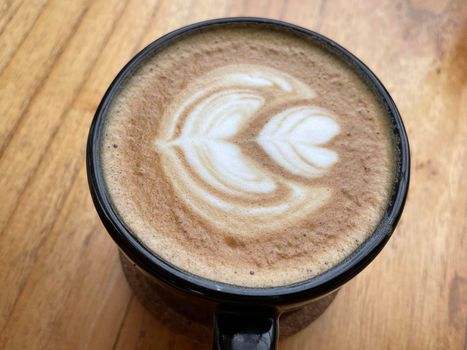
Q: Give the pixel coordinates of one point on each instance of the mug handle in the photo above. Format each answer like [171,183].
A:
[247,329]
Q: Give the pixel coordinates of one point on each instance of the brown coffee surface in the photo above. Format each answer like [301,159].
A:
[249,155]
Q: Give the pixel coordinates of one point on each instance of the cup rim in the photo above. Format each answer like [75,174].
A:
[299,292]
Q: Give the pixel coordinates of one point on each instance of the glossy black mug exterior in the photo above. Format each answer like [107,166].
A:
[244,318]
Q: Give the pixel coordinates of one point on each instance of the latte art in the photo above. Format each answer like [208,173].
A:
[203,143]
[292,138]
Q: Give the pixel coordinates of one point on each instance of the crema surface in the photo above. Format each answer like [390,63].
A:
[249,155]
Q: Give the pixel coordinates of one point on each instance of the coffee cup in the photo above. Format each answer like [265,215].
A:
[242,304]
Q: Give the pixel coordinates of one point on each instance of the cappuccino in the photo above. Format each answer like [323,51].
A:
[248,154]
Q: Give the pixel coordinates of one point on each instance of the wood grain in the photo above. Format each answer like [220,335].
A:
[61,283]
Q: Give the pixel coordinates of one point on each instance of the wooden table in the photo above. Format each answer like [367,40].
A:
[61,286]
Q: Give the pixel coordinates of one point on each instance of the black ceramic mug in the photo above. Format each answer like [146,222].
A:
[242,318]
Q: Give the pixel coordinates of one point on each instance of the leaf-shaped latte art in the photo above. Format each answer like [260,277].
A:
[206,135]
[292,137]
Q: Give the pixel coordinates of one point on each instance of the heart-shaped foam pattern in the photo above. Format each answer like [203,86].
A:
[241,146]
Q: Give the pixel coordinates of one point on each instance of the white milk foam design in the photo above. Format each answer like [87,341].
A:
[217,179]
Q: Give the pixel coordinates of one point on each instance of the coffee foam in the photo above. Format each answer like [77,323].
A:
[228,161]
[201,148]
